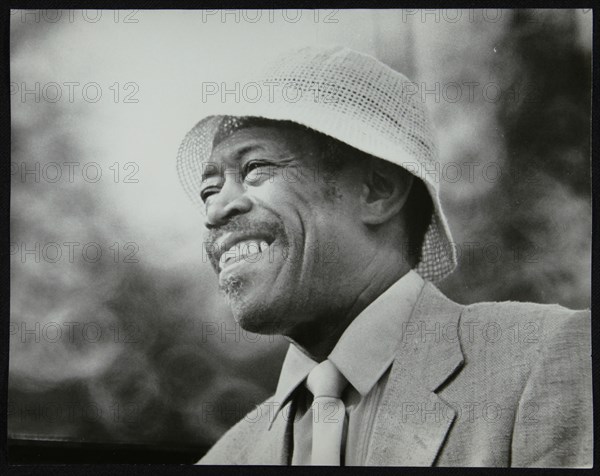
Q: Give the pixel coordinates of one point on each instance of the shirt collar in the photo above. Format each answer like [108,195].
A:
[366,348]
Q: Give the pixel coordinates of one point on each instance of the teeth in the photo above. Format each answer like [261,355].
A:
[242,250]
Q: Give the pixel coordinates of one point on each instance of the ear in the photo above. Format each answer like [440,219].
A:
[385,189]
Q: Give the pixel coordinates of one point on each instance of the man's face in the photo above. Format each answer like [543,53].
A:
[281,232]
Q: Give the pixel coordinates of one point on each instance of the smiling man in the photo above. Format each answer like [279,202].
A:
[278,253]
[324,226]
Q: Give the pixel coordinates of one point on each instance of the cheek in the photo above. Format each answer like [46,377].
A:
[314,221]
[283,194]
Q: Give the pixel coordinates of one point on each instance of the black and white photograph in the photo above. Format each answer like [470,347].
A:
[301,237]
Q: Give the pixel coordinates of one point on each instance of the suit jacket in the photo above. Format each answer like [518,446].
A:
[489,384]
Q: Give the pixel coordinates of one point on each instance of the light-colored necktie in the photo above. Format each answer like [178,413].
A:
[326,383]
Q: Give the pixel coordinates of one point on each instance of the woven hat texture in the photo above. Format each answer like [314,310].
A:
[347,95]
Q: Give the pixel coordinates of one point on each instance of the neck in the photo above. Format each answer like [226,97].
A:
[318,337]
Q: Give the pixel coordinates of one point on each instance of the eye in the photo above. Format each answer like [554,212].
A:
[253,171]
[207,192]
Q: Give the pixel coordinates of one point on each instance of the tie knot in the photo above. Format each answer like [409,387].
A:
[325,380]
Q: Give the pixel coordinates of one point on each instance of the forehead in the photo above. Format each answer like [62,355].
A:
[272,140]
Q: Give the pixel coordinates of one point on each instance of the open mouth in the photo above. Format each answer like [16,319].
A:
[243,250]
[248,250]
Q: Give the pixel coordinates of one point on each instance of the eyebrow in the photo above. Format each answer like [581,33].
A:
[209,172]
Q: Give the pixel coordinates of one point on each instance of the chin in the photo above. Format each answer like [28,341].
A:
[251,313]
[257,318]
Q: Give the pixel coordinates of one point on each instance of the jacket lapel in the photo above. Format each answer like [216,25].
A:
[275,446]
[412,421]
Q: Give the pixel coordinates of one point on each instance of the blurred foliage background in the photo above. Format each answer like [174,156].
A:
[144,349]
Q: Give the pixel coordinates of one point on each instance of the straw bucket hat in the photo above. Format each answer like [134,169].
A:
[349,96]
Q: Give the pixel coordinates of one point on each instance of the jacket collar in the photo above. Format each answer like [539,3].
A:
[412,421]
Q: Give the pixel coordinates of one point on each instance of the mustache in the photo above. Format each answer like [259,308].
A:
[244,226]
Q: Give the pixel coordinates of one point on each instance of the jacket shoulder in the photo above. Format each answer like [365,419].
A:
[508,326]
[513,310]
[513,339]
[232,447]
[525,324]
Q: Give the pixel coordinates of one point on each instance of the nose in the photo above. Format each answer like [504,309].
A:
[229,202]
